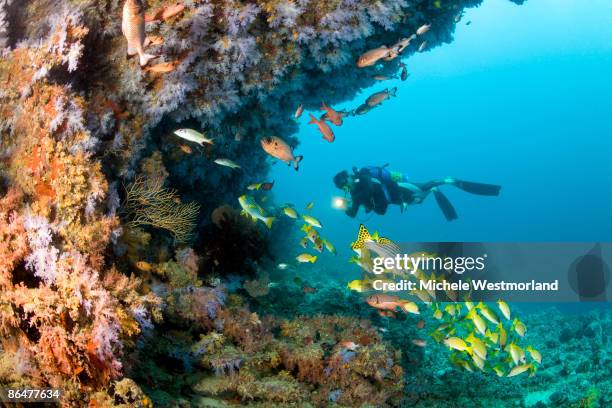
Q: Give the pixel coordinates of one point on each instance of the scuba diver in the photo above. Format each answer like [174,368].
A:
[376,187]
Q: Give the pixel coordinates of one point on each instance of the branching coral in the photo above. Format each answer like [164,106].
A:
[148,202]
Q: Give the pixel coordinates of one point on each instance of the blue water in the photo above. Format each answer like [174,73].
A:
[521,98]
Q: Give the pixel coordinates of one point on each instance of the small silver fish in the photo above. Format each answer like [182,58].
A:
[227,163]
[193,136]
[423,29]
[423,46]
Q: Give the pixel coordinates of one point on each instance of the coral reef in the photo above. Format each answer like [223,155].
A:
[95,298]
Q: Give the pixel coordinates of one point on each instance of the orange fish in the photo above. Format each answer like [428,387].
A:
[162,68]
[186,149]
[420,324]
[386,302]
[370,58]
[154,40]
[171,11]
[387,313]
[308,289]
[349,345]
[379,97]
[278,148]
[331,115]
[267,186]
[299,111]
[324,128]
[133,28]
[144,266]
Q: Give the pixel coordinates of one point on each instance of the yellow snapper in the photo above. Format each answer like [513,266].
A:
[519,370]
[517,353]
[329,246]
[503,335]
[477,346]
[504,308]
[535,354]
[359,285]
[456,343]
[312,221]
[302,258]
[133,28]
[252,209]
[488,313]
[519,327]
[480,324]
[290,212]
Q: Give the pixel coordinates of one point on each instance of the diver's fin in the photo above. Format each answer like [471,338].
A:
[412,187]
[477,188]
[445,205]
[296,162]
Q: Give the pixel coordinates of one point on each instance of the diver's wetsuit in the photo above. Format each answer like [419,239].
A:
[375,188]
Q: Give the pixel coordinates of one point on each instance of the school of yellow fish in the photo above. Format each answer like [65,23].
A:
[480,337]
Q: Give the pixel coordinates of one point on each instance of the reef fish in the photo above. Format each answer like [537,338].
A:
[144,266]
[390,302]
[363,109]
[519,370]
[370,58]
[185,149]
[312,221]
[379,97]
[423,46]
[331,115]
[193,136]
[456,343]
[383,77]
[172,10]
[162,68]
[133,28]
[419,342]
[252,209]
[504,308]
[278,148]
[267,186]
[359,285]
[404,73]
[423,29]
[402,44]
[303,258]
[227,163]
[290,212]
[330,247]
[324,128]
[298,111]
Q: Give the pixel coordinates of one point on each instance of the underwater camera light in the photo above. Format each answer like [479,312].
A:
[339,203]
